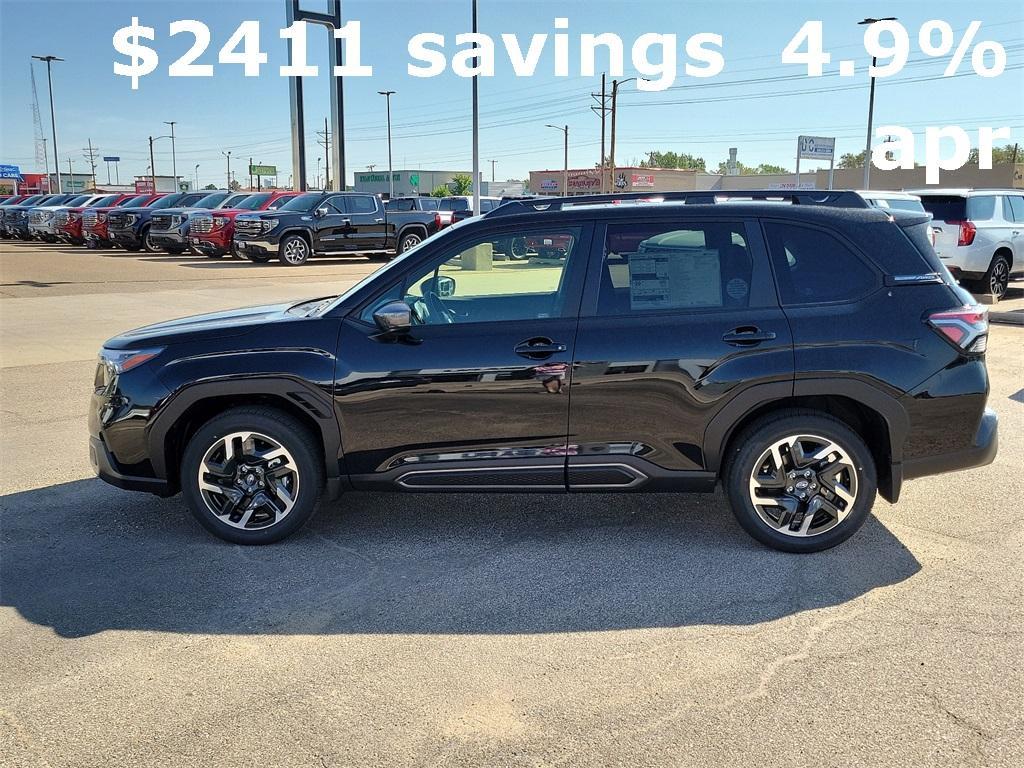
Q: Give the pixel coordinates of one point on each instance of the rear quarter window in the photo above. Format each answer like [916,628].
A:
[982,208]
[813,266]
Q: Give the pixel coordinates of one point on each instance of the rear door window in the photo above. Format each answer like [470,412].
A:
[813,266]
[357,204]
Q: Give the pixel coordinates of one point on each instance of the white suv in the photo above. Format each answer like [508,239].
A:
[979,234]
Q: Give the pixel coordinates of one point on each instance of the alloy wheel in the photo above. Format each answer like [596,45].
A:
[999,278]
[803,485]
[296,251]
[410,241]
[248,480]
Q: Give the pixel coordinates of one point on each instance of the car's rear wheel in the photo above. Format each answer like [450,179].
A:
[800,481]
[252,475]
[294,251]
[408,241]
[996,279]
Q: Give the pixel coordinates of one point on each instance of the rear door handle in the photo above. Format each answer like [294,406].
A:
[539,348]
[747,336]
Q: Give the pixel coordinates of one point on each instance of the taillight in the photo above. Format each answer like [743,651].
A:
[966,327]
[967,232]
[437,220]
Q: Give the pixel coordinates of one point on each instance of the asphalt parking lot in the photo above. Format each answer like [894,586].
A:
[467,629]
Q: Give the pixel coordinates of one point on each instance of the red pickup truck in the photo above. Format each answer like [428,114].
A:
[68,221]
[212,234]
[94,220]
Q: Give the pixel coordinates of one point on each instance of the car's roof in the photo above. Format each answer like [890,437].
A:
[966,192]
[874,194]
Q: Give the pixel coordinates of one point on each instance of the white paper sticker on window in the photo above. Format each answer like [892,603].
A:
[674,277]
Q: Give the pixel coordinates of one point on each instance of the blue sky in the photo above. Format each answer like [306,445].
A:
[431,117]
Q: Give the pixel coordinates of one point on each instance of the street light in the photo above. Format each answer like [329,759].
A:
[197,175]
[228,156]
[152,162]
[611,153]
[391,176]
[565,171]
[174,159]
[871,106]
[53,119]
[476,131]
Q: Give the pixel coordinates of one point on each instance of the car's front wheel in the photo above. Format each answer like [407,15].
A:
[252,475]
[147,243]
[800,481]
[294,251]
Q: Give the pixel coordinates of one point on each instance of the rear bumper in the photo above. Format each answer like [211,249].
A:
[981,452]
[105,468]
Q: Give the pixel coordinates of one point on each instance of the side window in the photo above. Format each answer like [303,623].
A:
[517,276]
[1014,207]
[446,205]
[665,266]
[361,204]
[334,205]
[813,267]
[278,203]
[982,208]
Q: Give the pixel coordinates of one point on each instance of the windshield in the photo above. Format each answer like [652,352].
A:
[78,200]
[212,200]
[253,202]
[304,202]
[104,201]
[232,201]
[166,202]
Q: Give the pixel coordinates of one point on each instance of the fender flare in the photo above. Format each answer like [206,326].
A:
[297,392]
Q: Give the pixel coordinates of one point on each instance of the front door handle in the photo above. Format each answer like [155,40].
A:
[378,221]
[539,348]
[747,336]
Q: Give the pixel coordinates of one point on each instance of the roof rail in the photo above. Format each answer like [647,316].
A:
[834,198]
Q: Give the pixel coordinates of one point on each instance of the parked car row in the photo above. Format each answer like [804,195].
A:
[289,226]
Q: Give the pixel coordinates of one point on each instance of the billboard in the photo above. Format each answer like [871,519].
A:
[263,170]
[144,186]
[816,147]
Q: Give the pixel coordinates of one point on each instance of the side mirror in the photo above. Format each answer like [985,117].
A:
[321,211]
[442,285]
[394,318]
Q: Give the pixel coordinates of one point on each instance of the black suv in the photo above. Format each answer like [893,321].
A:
[806,355]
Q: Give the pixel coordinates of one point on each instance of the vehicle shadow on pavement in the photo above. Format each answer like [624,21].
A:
[84,557]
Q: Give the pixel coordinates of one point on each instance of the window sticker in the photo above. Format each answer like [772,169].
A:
[670,279]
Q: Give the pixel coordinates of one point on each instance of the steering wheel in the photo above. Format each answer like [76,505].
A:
[436,307]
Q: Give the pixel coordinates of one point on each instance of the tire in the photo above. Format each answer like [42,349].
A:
[842,495]
[996,279]
[294,251]
[147,244]
[257,258]
[211,255]
[246,512]
[409,240]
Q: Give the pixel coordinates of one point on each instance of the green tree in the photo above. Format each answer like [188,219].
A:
[441,190]
[850,160]
[234,186]
[723,168]
[463,183]
[1000,155]
[769,168]
[682,160]
[210,186]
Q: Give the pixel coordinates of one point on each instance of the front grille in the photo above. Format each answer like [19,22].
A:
[37,217]
[162,221]
[117,220]
[89,219]
[248,226]
[201,225]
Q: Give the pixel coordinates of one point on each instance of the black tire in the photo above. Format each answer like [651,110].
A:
[257,258]
[147,244]
[751,444]
[294,251]
[996,279]
[209,255]
[408,240]
[290,434]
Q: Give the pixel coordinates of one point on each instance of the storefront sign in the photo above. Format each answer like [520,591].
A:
[643,180]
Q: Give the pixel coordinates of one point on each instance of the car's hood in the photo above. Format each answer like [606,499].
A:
[232,322]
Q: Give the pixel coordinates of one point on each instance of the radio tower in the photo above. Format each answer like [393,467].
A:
[37,127]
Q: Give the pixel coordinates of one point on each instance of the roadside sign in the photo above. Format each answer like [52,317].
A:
[816,147]
[414,180]
[10,172]
[144,186]
[263,170]
[111,159]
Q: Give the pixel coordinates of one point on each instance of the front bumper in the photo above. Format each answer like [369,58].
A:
[17,228]
[105,467]
[125,237]
[982,452]
[46,229]
[258,247]
[173,238]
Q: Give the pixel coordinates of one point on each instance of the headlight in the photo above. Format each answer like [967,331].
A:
[101,217]
[130,218]
[220,221]
[269,224]
[74,216]
[121,360]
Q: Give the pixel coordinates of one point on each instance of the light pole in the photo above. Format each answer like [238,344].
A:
[391,176]
[318,173]
[476,132]
[174,158]
[152,163]
[565,167]
[228,156]
[871,107]
[197,175]
[53,119]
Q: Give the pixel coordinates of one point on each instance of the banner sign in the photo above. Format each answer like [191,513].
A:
[10,172]
[643,180]
[144,186]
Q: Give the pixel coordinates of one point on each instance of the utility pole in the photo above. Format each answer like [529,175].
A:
[602,110]
[391,175]
[53,119]
[250,173]
[871,106]
[476,129]
[565,167]
[611,154]
[492,171]
[174,159]
[228,156]
[325,142]
[91,153]
[152,166]
[71,175]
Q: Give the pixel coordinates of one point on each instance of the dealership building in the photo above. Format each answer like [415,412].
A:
[407,182]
